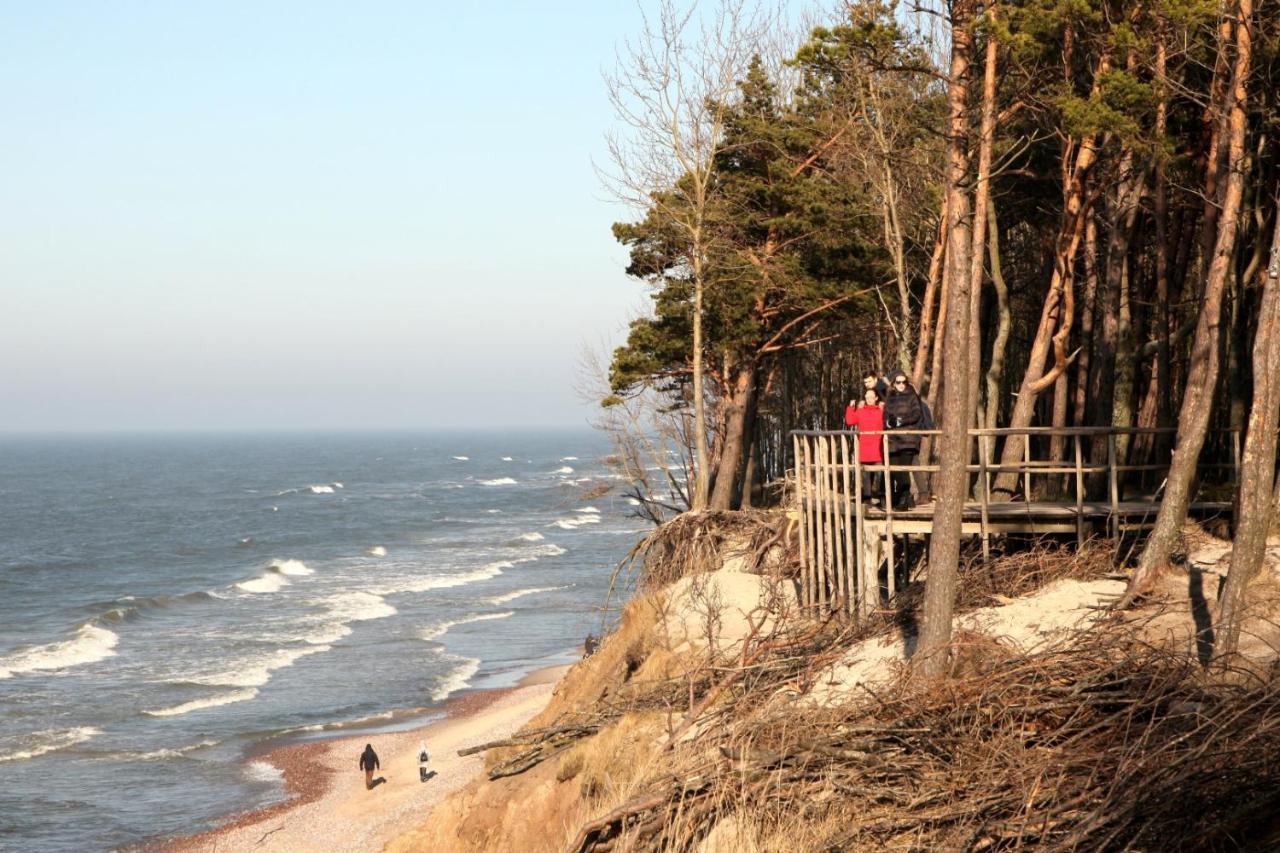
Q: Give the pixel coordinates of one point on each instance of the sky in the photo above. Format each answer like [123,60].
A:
[289,215]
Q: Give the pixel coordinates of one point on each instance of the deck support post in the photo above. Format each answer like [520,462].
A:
[1113,487]
[984,496]
[1079,493]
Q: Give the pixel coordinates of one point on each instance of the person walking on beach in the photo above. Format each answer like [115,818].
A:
[867,417]
[903,410]
[369,763]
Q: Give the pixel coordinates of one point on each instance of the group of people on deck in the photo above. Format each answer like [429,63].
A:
[888,405]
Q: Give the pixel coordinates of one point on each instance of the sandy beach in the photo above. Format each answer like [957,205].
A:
[329,808]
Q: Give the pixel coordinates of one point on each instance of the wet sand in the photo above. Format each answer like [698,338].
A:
[328,807]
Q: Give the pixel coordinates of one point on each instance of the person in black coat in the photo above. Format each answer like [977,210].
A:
[369,763]
[902,411]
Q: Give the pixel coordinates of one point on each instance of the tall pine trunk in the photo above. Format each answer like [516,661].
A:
[1202,373]
[1254,500]
[944,545]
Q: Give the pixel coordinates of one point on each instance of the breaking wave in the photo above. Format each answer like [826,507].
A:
[255,671]
[376,551]
[49,740]
[501,481]
[436,631]
[457,679]
[90,644]
[198,704]
[565,469]
[521,593]
[530,537]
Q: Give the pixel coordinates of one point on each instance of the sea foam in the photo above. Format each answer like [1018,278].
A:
[256,671]
[290,567]
[564,469]
[501,481]
[90,644]
[49,740]
[377,551]
[207,702]
[521,593]
[531,537]
[424,584]
[436,631]
[457,679]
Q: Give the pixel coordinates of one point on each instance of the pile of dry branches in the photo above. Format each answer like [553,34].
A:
[1104,744]
[699,542]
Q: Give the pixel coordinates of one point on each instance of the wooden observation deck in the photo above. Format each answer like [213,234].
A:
[1078,485]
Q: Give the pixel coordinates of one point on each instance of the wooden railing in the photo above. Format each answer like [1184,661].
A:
[846,540]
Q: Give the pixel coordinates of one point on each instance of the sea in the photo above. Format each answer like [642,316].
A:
[167,602]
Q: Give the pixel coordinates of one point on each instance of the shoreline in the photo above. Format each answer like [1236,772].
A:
[320,776]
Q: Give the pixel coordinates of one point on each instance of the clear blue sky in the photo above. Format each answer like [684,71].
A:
[304,215]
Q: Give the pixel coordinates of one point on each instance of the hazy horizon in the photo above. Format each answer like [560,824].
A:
[227,217]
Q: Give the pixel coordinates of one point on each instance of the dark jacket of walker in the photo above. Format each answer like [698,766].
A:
[369,759]
[902,410]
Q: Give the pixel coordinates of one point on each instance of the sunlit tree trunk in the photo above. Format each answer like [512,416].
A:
[1255,497]
[1202,373]
[944,546]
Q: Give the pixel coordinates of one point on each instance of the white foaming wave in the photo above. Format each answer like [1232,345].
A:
[437,631]
[161,754]
[50,740]
[589,509]
[568,459]
[261,771]
[340,611]
[531,537]
[551,550]
[337,485]
[501,481]
[521,593]
[565,469]
[256,672]
[270,582]
[90,644]
[208,702]
[424,584]
[457,679]
[377,551]
[462,458]
[320,490]
[575,522]
[507,459]
[290,567]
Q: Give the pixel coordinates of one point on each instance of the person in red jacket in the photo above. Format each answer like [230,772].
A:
[867,418]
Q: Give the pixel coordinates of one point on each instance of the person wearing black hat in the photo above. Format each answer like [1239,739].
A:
[903,410]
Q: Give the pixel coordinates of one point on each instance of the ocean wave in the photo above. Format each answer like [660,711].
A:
[501,481]
[208,702]
[49,740]
[588,509]
[457,679]
[424,584]
[270,582]
[521,593]
[376,551]
[290,567]
[507,459]
[90,644]
[261,771]
[530,537]
[341,611]
[565,469]
[462,458]
[551,550]
[127,607]
[576,521]
[255,671]
[436,631]
[568,459]
[162,754]
[320,490]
